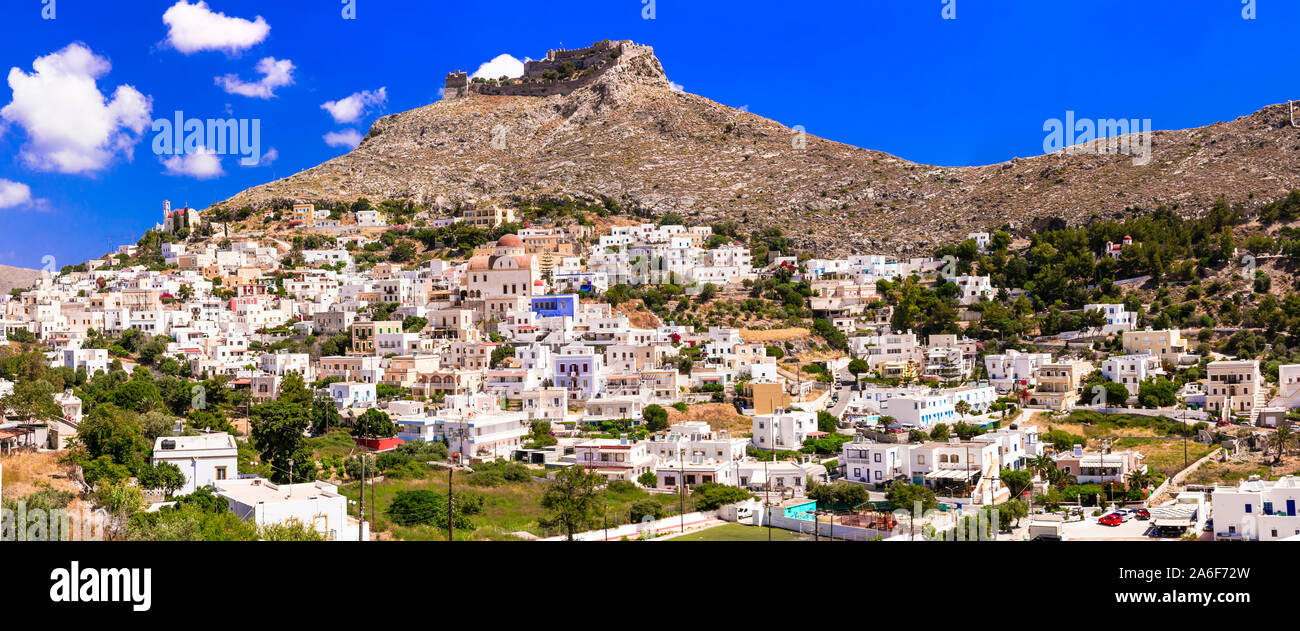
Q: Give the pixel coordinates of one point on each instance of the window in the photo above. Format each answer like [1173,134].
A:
[221,473]
[1248,508]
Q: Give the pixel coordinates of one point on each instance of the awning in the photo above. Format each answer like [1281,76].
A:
[951,474]
[1173,523]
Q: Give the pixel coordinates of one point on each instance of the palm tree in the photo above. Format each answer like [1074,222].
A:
[1140,479]
[1282,438]
[962,408]
[1042,465]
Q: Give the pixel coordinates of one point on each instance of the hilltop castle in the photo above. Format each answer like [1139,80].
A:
[561,72]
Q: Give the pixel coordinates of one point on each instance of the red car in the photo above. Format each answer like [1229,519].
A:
[1142,513]
[1111,520]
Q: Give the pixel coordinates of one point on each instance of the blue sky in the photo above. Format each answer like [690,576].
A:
[892,75]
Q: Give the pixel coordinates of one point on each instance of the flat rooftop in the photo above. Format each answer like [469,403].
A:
[215,440]
[257,491]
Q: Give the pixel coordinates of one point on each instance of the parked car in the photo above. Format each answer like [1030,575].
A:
[1142,513]
[1112,519]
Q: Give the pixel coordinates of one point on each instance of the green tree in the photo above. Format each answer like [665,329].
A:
[858,367]
[324,415]
[711,495]
[655,418]
[289,531]
[501,353]
[1011,512]
[905,496]
[645,509]
[163,476]
[374,423]
[962,407]
[1017,481]
[402,251]
[826,422]
[32,401]
[278,430]
[648,479]
[571,500]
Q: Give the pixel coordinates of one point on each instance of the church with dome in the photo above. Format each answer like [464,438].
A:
[504,280]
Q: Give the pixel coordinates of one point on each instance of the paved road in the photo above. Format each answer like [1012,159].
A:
[845,393]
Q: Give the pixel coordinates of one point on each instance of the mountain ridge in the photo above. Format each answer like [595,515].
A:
[627,135]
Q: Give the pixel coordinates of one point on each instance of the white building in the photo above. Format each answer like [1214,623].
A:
[614,458]
[972,289]
[1117,318]
[315,504]
[204,459]
[919,411]
[93,360]
[1014,369]
[782,431]
[1131,371]
[479,431]
[352,394]
[877,463]
[1257,510]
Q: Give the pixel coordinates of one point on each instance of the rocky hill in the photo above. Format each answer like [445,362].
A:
[17,277]
[628,135]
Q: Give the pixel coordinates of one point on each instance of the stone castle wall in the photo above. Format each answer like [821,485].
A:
[590,63]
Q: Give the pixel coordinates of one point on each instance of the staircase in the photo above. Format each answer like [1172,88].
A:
[1261,400]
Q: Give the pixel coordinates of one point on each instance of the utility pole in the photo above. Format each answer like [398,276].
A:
[361,505]
[291,477]
[681,462]
[451,527]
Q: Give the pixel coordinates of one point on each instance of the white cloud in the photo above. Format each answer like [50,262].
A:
[14,194]
[349,138]
[267,158]
[194,27]
[276,73]
[677,87]
[501,66]
[71,126]
[352,108]
[202,164]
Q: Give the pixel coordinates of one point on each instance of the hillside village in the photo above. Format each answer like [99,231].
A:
[331,370]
